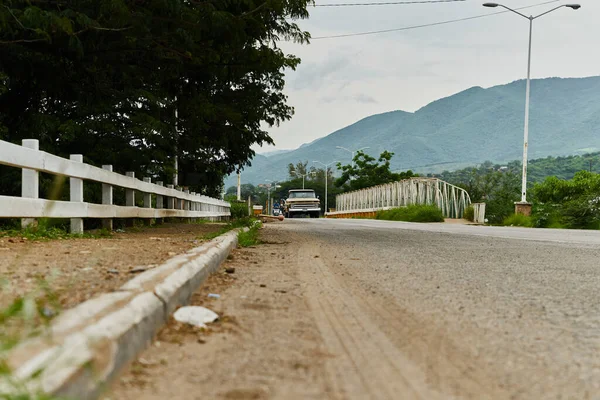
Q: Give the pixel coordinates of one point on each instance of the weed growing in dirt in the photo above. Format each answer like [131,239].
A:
[249,238]
[45,232]
[412,213]
[518,220]
[238,223]
[25,317]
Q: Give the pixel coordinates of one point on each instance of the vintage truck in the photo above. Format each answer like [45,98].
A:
[302,202]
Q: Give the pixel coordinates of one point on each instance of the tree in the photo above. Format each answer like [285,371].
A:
[247,189]
[571,203]
[105,77]
[299,168]
[366,172]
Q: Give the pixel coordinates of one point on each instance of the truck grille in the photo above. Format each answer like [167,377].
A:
[304,205]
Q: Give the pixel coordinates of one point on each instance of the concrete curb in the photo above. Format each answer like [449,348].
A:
[86,347]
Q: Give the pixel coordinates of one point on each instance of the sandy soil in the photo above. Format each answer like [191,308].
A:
[78,269]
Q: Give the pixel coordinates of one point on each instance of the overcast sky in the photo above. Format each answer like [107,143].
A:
[343,80]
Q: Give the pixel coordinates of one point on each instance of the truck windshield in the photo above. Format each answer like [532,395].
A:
[302,195]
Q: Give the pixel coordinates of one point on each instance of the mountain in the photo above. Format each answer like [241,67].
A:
[274,153]
[467,128]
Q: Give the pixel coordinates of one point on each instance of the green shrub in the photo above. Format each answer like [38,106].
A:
[412,213]
[469,214]
[239,209]
[518,220]
[249,237]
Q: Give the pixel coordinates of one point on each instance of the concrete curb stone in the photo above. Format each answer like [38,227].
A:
[88,345]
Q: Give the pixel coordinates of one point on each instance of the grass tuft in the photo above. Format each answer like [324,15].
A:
[518,220]
[412,213]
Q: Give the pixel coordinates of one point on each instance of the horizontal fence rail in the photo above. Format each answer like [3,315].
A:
[169,201]
[450,199]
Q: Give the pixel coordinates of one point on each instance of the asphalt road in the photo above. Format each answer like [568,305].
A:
[361,309]
[482,312]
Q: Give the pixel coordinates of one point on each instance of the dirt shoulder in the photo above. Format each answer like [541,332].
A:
[288,330]
[266,343]
[76,270]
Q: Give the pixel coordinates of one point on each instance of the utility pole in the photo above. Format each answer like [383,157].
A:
[176,164]
[239,187]
[326,179]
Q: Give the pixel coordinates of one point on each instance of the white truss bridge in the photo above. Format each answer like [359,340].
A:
[451,200]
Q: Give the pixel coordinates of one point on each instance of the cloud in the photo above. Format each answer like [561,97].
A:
[312,75]
[343,80]
[364,98]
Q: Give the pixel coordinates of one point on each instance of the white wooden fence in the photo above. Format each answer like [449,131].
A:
[29,206]
[451,199]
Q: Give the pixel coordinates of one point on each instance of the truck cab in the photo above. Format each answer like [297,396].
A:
[302,202]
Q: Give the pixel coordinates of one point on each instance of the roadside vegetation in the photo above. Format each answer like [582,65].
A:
[469,214]
[27,316]
[518,220]
[47,230]
[412,213]
[250,237]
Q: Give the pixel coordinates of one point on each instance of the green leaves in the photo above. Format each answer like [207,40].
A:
[366,172]
[102,77]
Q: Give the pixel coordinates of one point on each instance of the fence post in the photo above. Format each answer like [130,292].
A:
[193,205]
[186,204]
[159,203]
[76,194]
[30,181]
[130,200]
[170,199]
[147,202]
[179,202]
[107,199]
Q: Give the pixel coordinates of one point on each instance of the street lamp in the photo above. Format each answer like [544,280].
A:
[528,89]
[326,169]
[302,175]
[275,185]
[352,151]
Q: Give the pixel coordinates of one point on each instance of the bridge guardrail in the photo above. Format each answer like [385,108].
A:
[29,206]
[452,200]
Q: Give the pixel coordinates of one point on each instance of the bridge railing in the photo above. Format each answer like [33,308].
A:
[158,201]
[450,199]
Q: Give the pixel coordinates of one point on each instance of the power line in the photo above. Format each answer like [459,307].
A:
[406,28]
[389,3]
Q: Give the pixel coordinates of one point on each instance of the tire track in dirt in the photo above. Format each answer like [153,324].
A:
[367,363]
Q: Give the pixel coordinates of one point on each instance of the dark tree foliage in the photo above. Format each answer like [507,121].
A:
[366,171]
[104,78]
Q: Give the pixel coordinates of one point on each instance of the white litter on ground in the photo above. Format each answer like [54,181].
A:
[195,315]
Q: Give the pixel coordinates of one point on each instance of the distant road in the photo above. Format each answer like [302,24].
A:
[547,235]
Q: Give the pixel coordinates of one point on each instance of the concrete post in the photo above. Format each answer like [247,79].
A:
[107,199]
[30,181]
[130,200]
[76,194]
[171,200]
[159,203]
[147,202]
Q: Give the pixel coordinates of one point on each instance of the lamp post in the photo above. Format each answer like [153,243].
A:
[302,175]
[326,176]
[275,185]
[352,151]
[523,207]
